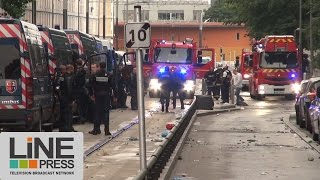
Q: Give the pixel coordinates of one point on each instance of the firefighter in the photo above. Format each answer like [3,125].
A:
[66,98]
[164,79]
[218,83]
[226,80]
[210,79]
[133,89]
[177,80]
[305,64]
[102,90]
[80,91]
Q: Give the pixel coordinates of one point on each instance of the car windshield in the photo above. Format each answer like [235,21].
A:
[276,60]
[10,58]
[247,59]
[176,55]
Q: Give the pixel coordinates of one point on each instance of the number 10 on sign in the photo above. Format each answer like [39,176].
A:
[137,35]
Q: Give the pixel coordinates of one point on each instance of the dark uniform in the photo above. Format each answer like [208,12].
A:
[66,99]
[164,79]
[210,79]
[122,99]
[177,80]
[226,80]
[218,83]
[133,91]
[81,93]
[102,90]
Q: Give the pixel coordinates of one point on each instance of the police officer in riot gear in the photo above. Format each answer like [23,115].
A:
[102,89]
[80,91]
[210,79]
[177,80]
[218,83]
[226,80]
[133,89]
[122,84]
[164,79]
[66,98]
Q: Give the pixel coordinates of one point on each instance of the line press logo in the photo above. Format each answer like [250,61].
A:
[42,155]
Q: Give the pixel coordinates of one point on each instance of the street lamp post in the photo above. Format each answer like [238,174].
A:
[65,14]
[300,28]
[52,13]
[116,27]
[34,12]
[87,16]
[78,15]
[104,20]
[200,29]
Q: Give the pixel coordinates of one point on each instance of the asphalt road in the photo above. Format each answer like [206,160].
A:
[254,143]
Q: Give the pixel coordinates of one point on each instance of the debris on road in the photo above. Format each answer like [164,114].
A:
[133,139]
[264,173]
[251,140]
[310,159]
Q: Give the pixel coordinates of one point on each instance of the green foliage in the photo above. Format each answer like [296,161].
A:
[15,8]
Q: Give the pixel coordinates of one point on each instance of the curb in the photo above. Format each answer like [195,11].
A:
[304,136]
[166,173]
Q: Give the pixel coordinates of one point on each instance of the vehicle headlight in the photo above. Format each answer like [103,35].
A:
[261,87]
[296,88]
[189,85]
[246,76]
[154,84]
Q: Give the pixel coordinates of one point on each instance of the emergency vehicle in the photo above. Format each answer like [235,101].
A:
[183,57]
[245,68]
[25,90]
[57,47]
[276,67]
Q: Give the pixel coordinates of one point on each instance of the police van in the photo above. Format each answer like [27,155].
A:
[25,92]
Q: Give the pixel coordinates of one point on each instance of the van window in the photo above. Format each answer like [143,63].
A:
[39,64]
[62,49]
[10,58]
[88,45]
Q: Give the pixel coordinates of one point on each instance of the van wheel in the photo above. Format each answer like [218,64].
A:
[289,97]
[260,97]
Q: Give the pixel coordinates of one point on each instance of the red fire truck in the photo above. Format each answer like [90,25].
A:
[276,67]
[183,57]
[245,68]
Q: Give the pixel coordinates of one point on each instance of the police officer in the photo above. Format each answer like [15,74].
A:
[102,90]
[218,83]
[122,84]
[80,91]
[177,80]
[133,89]
[66,98]
[226,80]
[164,79]
[210,79]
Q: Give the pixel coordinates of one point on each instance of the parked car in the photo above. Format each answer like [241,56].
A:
[297,105]
[314,114]
[304,101]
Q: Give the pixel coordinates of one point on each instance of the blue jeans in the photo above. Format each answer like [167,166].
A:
[237,93]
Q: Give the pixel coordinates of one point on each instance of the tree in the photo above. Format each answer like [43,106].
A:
[221,12]
[16,8]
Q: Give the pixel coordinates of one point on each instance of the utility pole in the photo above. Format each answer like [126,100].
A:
[99,18]
[87,16]
[127,17]
[311,32]
[300,30]
[117,23]
[104,20]
[52,14]
[200,29]
[34,12]
[65,14]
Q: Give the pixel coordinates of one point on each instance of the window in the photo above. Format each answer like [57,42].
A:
[278,60]
[170,15]
[238,36]
[197,15]
[39,64]
[177,55]
[62,50]
[10,58]
[144,15]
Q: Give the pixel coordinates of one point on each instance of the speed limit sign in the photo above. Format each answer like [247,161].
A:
[137,35]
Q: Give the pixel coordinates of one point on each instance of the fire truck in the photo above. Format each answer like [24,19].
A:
[245,68]
[25,91]
[184,57]
[276,67]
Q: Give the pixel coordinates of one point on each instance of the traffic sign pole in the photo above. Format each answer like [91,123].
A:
[140,86]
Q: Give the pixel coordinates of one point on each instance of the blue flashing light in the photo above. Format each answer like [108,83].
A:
[183,71]
[293,75]
[161,70]
[163,41]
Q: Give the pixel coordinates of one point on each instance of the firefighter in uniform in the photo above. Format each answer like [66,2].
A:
[218,83]
[226,80]
[165,80]
[210,79]
[66,99]
[177,80]
[102,90]
[133,90]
